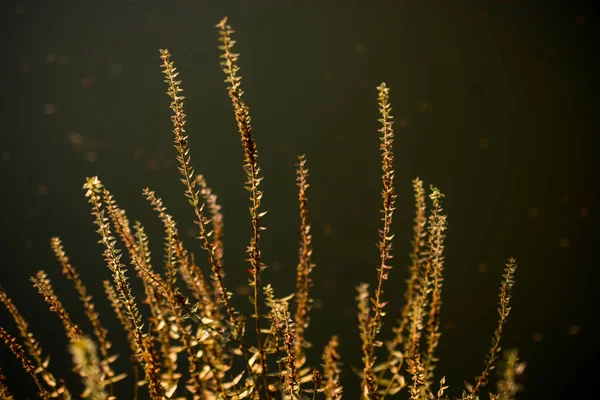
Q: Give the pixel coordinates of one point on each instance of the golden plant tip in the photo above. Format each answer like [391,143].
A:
[222,23]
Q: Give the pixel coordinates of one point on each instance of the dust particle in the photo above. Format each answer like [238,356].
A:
[74,138]
[91,156]
[243,290]
[86,82]
[138,152]
[50,57]
[360,48]
[534,212]
[564,199]
[116,69]
[42,190]
[574,329]
[50,108]
[423,106]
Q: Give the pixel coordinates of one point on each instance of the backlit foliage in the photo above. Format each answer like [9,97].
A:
[194,344]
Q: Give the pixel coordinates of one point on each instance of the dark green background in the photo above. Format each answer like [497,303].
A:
[495,103]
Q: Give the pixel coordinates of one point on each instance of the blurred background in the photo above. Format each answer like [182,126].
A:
[495,103]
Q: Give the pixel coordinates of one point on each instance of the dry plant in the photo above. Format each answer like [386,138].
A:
[194,343]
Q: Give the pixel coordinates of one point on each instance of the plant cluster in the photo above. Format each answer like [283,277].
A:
[195,344]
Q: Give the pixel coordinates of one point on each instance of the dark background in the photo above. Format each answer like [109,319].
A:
[495,103]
